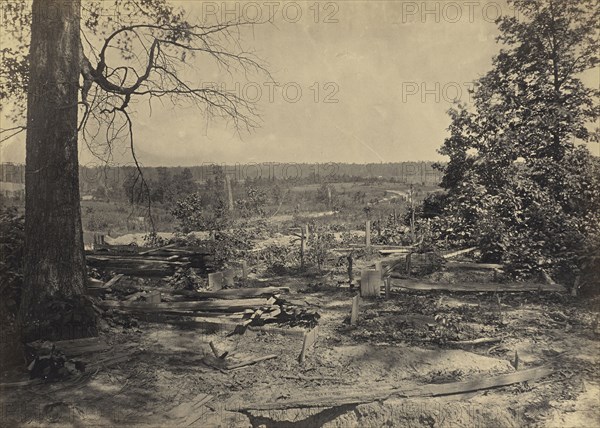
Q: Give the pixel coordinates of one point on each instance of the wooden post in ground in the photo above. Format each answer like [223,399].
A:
[370,283]
[215,281]
[309,340]
[350,269]
[408,263]
[303,238]
[386,282]
[368,233]
[378,267]
[354,313]
[229,193]
[228,275]
[244,265]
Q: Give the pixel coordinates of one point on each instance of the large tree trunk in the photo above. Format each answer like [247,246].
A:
[54,277]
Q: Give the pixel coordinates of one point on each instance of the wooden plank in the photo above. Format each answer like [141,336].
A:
[212,305]
[458,252]
[476,287]
[249,361]
[328,398]
[225,364]
[355,309]
[109,360]
[480,383]
[154,250]
[296,332]
[189,412]
[395,251]
[130,261]
[309,340]
[475,342]
[233,293]
[113,280]
[472,266]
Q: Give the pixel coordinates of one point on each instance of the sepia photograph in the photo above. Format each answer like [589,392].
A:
[300,213]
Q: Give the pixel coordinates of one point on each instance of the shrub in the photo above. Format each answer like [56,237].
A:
[12,247]
[279,259]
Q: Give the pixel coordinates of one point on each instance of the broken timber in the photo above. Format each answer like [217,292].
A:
[325,398]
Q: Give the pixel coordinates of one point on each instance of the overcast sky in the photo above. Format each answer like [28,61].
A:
[376,80]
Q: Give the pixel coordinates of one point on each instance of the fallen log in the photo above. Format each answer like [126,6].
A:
[327,398]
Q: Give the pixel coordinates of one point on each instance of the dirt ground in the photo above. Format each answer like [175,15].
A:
[401,342]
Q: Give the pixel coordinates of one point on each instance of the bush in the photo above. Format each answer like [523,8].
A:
[12,248]
[320,242]
[12,243]
[279,259]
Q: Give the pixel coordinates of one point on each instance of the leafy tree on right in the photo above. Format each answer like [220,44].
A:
[521,183]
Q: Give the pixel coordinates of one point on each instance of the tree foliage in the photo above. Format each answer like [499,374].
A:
[521,183]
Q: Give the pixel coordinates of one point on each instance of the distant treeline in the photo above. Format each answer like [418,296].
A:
[93,176]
